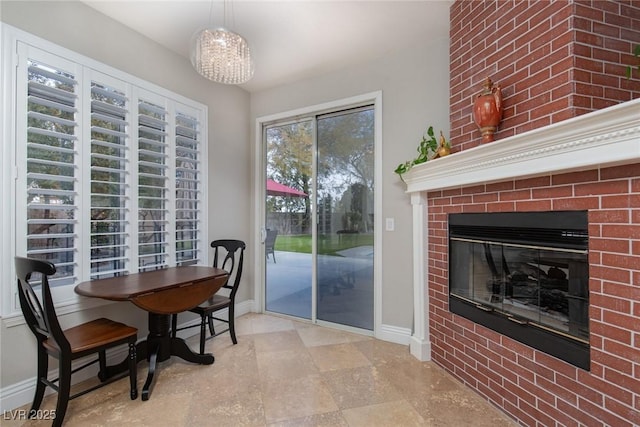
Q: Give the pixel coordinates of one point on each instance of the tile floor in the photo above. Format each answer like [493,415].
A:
[288,373]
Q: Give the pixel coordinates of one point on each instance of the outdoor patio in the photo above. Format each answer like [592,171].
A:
[345,286]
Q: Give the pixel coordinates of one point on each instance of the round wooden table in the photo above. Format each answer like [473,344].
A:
[161,293]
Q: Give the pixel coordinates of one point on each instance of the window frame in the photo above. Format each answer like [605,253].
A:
[13,43]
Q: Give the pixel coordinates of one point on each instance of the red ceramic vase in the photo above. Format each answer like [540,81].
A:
[487,110]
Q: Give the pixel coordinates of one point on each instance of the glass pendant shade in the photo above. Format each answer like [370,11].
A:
[222,56]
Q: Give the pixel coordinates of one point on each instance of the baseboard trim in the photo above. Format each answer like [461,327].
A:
[420,349]
[394,334]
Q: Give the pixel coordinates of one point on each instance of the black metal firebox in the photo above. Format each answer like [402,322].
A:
[524,275]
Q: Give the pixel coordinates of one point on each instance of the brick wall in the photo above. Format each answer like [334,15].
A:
[531,386]
[554,60]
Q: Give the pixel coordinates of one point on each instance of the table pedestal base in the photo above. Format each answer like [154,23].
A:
[158,347]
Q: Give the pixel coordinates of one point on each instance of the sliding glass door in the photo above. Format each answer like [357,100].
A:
[319,217]
[345,247]
[288,224]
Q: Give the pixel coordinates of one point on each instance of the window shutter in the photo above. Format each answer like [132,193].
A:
[188,191]
[109,154]
[51,168]
[152,186]
[108,170]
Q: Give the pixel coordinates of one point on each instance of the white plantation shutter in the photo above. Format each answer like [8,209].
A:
[109,179]
[188,189]
[153,181]
[51,193]
[107,169]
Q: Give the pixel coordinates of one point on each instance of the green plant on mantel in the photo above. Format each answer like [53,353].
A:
[428,149]
[636,53]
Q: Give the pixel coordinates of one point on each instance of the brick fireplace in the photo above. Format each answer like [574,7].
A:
[569,141]
[587,163]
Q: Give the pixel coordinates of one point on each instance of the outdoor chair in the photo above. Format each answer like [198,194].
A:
[270,243]
[228,255]
[70,344]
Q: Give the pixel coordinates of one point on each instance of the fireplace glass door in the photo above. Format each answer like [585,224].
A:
[524,275]
[543,286]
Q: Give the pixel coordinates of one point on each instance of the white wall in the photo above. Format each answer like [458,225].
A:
[75,26]
[415,94]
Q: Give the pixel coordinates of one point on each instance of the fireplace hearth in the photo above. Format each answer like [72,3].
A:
[525,275]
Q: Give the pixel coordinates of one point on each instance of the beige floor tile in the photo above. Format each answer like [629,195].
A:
[328,419]
[244,324]
[253,323]
[301,397]
[439,398]
[457,408]
[265,324]
[286,373]
[338,356]
[285,365]
[226,352]
[221,410]
[361,386]
[382,352]
[389,414]
[234,378]
[317,335]
[278,341]
[355,338]
[302,324]
[417,380]
[222,344]
[175,376]
[171,409]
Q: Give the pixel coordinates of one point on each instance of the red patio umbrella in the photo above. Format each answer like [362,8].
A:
[277,189]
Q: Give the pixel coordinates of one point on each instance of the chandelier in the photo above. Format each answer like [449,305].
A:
[221,55]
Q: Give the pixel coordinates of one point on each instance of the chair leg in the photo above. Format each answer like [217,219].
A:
[212,328]
[64,389]
[203,332]
[43,369]
[102,361]
[232,324]
[133,370]
[174,325]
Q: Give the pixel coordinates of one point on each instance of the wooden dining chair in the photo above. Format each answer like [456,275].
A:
[227,255]
[70,344]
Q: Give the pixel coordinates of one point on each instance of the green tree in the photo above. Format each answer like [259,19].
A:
[289,150]
[347,147]
[346,165]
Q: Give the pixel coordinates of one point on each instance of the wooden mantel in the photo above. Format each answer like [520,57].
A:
[606,137]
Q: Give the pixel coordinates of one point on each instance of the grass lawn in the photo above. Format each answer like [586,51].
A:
[327,244]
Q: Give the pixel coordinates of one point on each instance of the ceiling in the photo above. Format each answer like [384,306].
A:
[290,40]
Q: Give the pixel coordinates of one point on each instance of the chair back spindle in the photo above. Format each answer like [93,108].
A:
[233,257]
[39,313]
